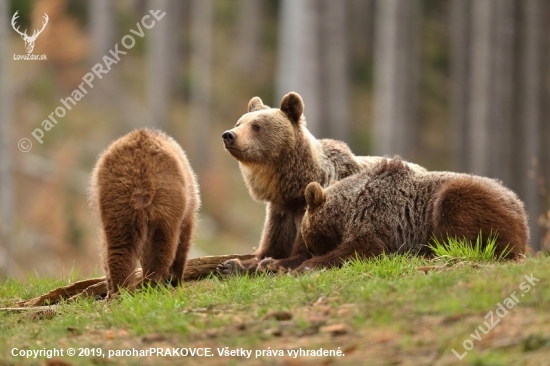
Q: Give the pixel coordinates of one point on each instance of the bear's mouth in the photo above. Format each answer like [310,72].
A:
[232,148]
[241,155]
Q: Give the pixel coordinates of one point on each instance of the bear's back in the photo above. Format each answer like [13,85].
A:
[390,201]
[338,162]
[143,165]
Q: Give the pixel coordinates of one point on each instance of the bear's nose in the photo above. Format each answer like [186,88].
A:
[229,137]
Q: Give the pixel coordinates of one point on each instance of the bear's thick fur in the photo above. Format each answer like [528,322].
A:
[146,197]
[392,209]
[278,157]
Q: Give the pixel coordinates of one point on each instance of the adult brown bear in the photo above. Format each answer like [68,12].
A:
[393,209]
[278,157]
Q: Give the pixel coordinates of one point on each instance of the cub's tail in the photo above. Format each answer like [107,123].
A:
[142,196]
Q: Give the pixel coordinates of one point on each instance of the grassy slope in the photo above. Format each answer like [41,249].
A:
[395,310]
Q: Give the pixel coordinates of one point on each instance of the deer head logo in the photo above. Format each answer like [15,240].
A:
[29,41]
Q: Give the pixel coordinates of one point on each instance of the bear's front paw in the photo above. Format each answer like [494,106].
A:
[303,269]
[111,295]
[272,265]
[265,265]
[230,267]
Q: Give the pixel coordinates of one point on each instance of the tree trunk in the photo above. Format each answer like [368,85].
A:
[360,15]
[334,70]
[460,75]
[160,50]
[531,88]
[298,57]
[101,27]
[248,35]
[396,77]
[201,63]
[480,88]
[6,171]
[503,94]
[545,164]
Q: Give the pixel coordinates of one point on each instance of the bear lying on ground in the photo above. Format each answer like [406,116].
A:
[392,209]
[278,157]
[146,196]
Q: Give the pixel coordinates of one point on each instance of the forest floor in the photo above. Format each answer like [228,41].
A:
[391,311]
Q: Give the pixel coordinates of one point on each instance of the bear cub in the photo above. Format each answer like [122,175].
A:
[393,209]
[147,198]
[278,157]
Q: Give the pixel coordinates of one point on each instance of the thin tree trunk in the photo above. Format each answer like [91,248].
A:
[101,27]
[460,75]
[360,17]
[6,171]
[334,70]
[201,64]
[502,113]
[162,52]
[248,35]
[480,93]
[545,164]
[396,77]
[530,118]
[298,56]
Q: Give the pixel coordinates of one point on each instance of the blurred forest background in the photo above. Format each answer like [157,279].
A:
[458,85]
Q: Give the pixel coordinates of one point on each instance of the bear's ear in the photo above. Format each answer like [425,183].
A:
[256,104]
[315,196]
[293,106]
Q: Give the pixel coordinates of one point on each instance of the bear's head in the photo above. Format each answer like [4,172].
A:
[263,134]
[319,229]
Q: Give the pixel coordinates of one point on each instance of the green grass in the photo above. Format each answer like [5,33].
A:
[455,249]
[394,309]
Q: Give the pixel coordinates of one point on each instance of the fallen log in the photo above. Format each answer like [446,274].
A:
[195,269]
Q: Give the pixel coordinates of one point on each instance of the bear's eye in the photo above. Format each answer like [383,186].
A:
[256,127]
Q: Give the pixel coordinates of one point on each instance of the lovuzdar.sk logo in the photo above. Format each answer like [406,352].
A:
[29,40]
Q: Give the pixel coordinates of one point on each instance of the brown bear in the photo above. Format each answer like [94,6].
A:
[393,209]
[147,198]
[278,157]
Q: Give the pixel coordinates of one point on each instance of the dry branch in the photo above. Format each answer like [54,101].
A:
[195,269]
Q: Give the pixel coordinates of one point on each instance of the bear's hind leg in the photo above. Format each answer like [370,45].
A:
[120,259]
[159,253]
[466,206]
[178,266]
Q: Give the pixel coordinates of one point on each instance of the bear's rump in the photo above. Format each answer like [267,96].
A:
[466,206]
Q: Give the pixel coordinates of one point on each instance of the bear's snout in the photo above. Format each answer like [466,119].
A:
[229,137]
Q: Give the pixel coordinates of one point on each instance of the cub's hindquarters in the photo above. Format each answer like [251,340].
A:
[466,205]
[147,200]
